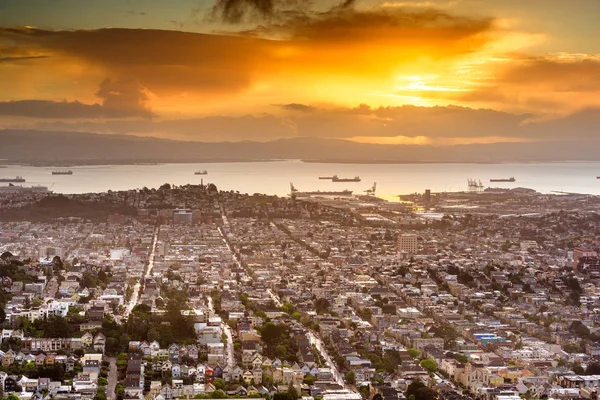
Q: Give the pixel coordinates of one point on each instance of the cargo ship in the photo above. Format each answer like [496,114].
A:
[201,172]
[336,178]
[15,179]
[326,177]
[295,193]
[511,179]
[69,172]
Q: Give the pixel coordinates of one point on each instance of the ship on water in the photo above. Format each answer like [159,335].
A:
[336,178]
[326,177]
[511,179]
[69,172]
[205,172]
[296,193]
[19,179]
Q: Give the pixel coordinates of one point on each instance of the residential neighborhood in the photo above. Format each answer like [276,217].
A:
[191,292]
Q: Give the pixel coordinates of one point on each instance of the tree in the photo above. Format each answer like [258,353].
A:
[578,328]
[219,383]
[100,396]
[448,333]
[293,392]
[419,391]
[350,377]
[413,387]
[593,369]
[425,393]
[153,335]
[120,392]
[322,305]
[309,379]
[429,364]
[414,353]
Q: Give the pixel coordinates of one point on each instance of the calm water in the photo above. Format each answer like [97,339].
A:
[275,177]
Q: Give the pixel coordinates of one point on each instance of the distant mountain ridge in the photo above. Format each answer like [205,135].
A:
[47,147]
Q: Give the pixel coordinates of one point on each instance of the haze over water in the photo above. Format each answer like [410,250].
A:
[275,177]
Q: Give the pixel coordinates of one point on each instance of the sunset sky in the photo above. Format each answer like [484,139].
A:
[422,72]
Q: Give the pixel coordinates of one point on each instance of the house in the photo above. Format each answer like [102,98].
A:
[248,377]
[227,373]
[167,366]
[154,348]
[218,371]
[174,353]
[70,364]
[8,358]
[237,374]
[43,384]
[40,360]
[28,385]
[10,384]
[99,342]
[175,370]
[208,374]
[257,374]
[50,360]
[184,370]
[87,339]
[193,352]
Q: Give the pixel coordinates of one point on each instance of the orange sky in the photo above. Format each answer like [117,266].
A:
[303,72]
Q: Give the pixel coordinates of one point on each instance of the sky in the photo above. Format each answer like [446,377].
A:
[435,72]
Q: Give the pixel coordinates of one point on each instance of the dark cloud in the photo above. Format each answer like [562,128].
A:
[296,107]
[121,98]
[234,11]
[136,13]
[163,61]
[23,58]
[562,75]
[364,121]
[66,110]
[354,42]
[124,95]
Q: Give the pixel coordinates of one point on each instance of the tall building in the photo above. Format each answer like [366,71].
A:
[407,243]
[427,196]
[182,216]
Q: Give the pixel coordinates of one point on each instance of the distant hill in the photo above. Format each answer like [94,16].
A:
[52,147]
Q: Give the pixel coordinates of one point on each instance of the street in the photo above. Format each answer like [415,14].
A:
[314,339]
[112,379]
[136,289]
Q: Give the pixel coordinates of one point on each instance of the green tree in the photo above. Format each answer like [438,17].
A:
[120,391]
[350,377]
[218,394]
[309,379]
[322,305]
[429,364]
[426,393]
[414,353]
[219,383]
[100,396]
